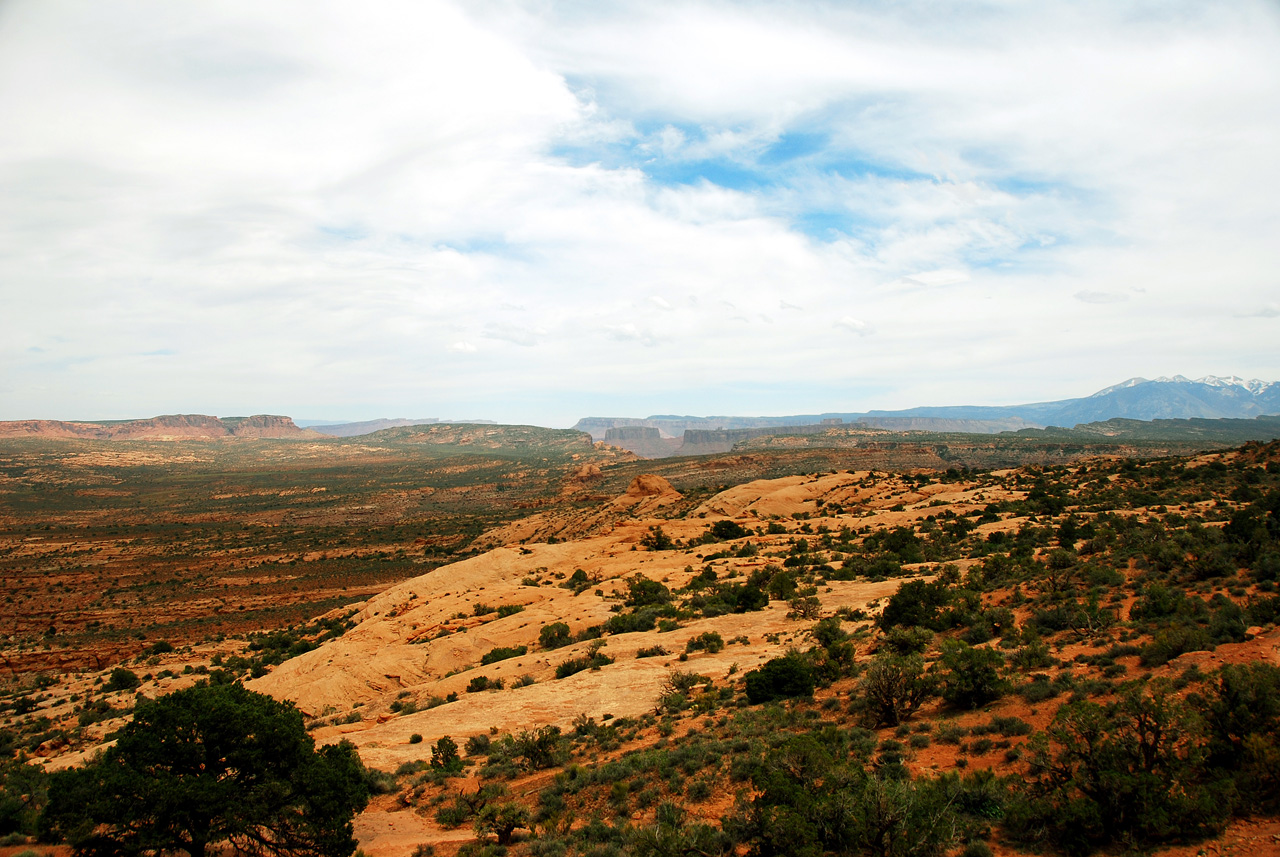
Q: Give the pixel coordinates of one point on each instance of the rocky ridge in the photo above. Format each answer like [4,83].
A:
[425,638]
[167,427]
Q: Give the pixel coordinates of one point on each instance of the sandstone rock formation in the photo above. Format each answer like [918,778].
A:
[423,640]
[646,494]
[167,427]
[644,441]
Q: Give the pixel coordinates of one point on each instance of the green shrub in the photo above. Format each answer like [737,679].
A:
[502,653]
[482,683]
[215,764]
[809,801]
[780,678]
[656,540]
[23,791]
[628,623]
[1243,718]
[554,636]
[643,592]
[725,530]
[541,748]
[502,820]
[893,687]
[698,790]
[827,632]
[1038,689]
[1169,643]
[907,641]
[1033,655]
[971,676]
[1127,775]
[708,641]
[916,603]
[594,659]
[122,679]
[444,756]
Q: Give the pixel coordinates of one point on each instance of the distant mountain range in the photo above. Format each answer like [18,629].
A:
[168,427]
[1176,398]
[1210,397]
[367,427]
[371,426]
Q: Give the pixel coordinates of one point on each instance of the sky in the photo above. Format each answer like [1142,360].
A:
[537,211]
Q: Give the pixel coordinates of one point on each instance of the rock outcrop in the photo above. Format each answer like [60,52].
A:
[646,494]
[167,427]
[644,441]
[429,639]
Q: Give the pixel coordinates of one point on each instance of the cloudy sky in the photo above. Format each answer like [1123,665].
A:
[537,211]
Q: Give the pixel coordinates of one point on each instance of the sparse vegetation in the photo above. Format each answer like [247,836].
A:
[1073,594]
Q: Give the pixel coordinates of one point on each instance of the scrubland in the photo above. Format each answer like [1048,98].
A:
[562,650]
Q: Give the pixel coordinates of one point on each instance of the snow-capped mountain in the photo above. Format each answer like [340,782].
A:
[1177,397]
[1164,398]
[1254,386]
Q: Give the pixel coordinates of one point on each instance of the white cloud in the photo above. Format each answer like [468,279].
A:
[1092,297]
[629,332]
[513,333]
[854,325]
[307,204]
[933,279]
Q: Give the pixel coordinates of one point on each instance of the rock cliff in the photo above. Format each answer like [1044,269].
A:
[167,427]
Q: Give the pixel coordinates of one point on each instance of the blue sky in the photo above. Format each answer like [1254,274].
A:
[534,212]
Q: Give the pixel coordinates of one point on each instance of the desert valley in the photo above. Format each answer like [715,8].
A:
[709,428]
[542,644]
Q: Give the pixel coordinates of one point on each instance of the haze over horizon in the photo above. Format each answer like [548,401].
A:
[532,212]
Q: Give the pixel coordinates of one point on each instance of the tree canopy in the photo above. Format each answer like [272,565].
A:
[212,764]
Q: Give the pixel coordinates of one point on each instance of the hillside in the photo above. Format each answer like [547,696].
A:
[104,544]
[1176,398]
[171,427]
[648,666]
[367,426]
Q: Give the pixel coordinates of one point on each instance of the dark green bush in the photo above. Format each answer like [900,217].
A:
[809,802]
[642,592]
[724,530]
[594,659]
[656,540]
[627,623]
[554,636]
[444,756]
[1038,689]
[1173,641]
[708,641]
[893,687]
[970,676]
[482,683]
[122,679]
[1128,775]
[1243,717]
[502,653]
[826,632]
[916,603]
[780,678]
